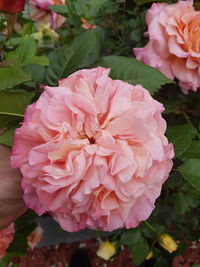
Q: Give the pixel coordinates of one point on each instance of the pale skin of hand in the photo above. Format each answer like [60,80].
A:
[11,202]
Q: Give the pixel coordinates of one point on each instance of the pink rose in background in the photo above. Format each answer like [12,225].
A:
[174,43]
[40,12]
[93,152]
[6,237]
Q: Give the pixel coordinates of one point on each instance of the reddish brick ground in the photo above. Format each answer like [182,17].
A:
[61,255]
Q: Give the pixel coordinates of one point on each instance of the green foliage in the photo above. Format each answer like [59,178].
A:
[142,2]
[181,137]
[161,262]
[7,258]
[193,152]
[134,72]
[25,224]
[25,54]
[183,202]
[59,9]
[175,180]
[12,76]
[82,52]
[12,106]
[130,237]
[81,8]
[27,48]
[6,137]
[39,60]
[27,29]
[37,73]
[190,171]
[12,72]
[140,250]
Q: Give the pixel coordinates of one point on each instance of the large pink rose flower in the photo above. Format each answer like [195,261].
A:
[93,153]
[174,42]
[6,237]
[40,12]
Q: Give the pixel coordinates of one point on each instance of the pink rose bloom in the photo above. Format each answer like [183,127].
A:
[6,237]
[93,152]
[174,43]
[40,12]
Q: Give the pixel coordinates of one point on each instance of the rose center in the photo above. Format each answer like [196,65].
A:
[91,140]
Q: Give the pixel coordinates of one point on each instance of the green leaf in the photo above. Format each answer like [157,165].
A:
[135,72]
[147,232]
[170,107]
[59,60]
[194,201]
[190,170]
[28,28]
[140,250]
[82,52]
[129,237]
[193,152]
[79,8]
[161,262]
[142,2]
[7,136]
[12,76]
[181,137]
[174,180]
[39,60]
[5,261]
[14,41]
[28,216]
[25,54]
[23,227]
[59,9]
[27,48]
[12,106]
[87,50]
[94,8]
[182,203]
[37,72]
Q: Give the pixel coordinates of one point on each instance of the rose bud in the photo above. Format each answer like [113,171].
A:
[12,6]
[106,250]
[167,242]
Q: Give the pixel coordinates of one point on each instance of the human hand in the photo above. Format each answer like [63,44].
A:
[11,202]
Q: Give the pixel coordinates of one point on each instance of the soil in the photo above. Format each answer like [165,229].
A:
[83,254]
